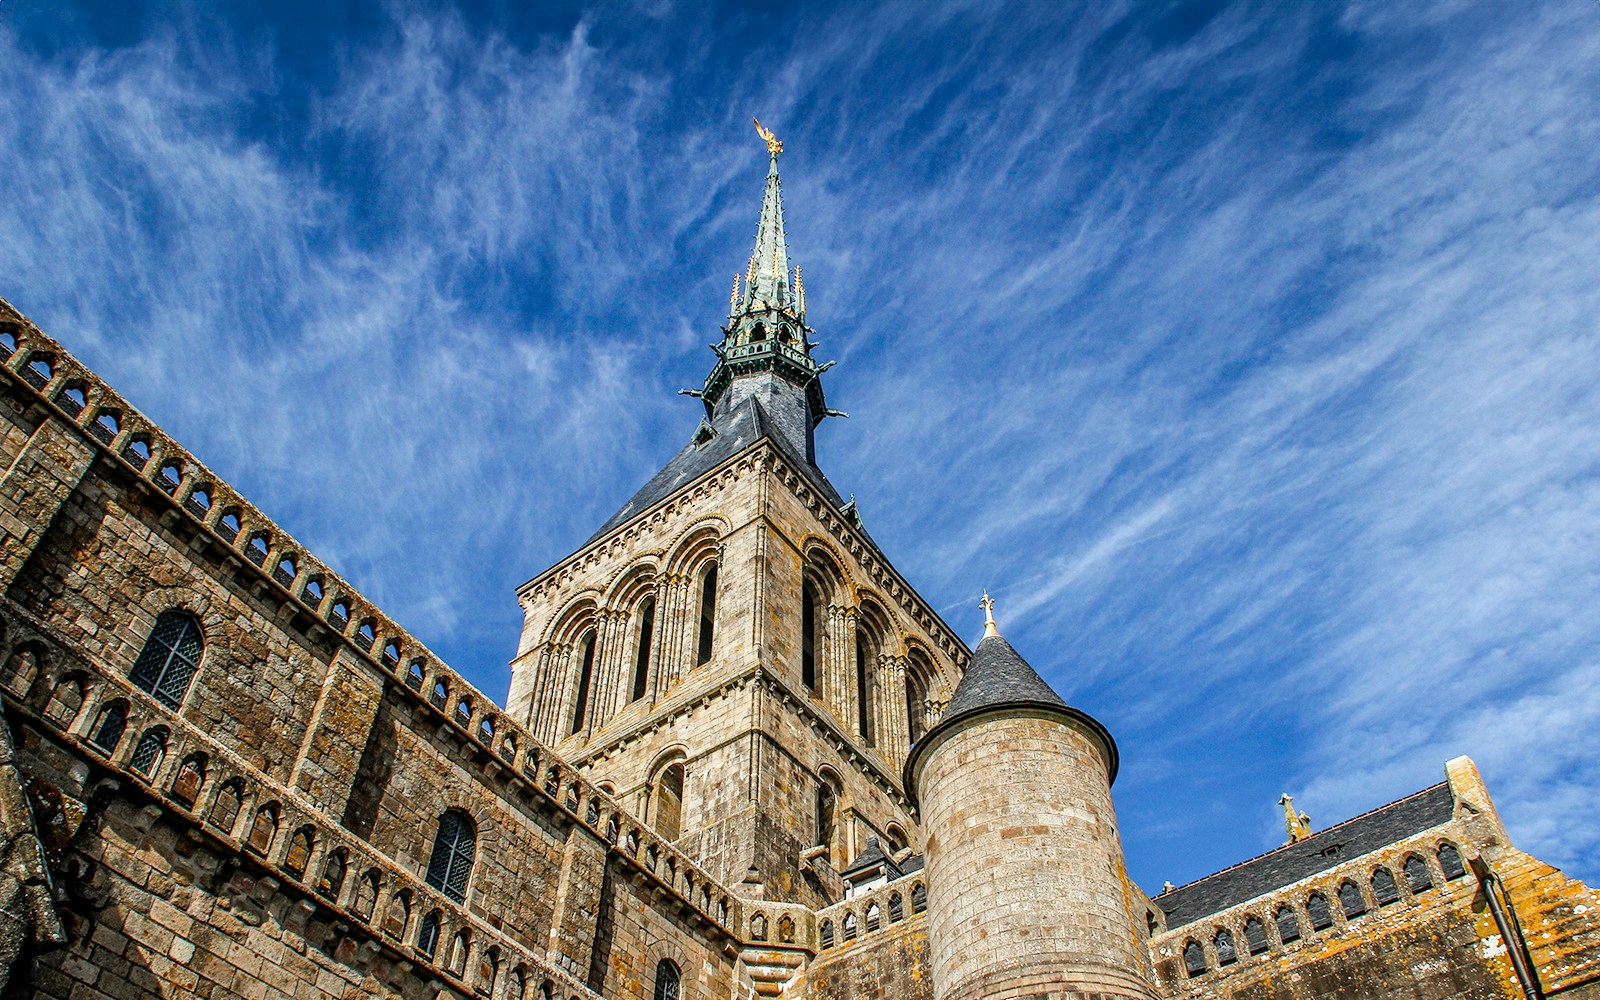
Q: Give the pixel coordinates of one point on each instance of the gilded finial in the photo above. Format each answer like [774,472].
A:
[799,292]
[989,627]
[773,145]
[733,296]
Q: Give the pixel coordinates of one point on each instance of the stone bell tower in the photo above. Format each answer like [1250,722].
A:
[730,655]
[1027,890]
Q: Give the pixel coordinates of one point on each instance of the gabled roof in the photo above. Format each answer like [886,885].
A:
[731,432]
[1302,859]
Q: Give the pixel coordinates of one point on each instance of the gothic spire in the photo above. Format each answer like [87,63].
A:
[767,283]
[766,346]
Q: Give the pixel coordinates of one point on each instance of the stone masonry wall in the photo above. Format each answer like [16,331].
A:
[1027,891]
[269,835]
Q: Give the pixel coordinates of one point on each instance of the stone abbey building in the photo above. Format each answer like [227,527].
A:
[740,757]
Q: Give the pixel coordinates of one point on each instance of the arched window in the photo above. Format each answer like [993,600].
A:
[391,655]
[463,712]
[1317,909]
[669,802]
[225,810]
[668,981]
[65,700]
[440,695]
[874,917]
[786,930]
[148,753]
[453,852]
[863,691]
[458,953]
[256,551]
[825,932]
[137,451]
[641,658]
[397,914]
[708,616]
[1350,901]
[1255,936]
[1194,959]
[848,926]
[39,371]
[808,638]
[106,426]
[897,908]
[580,707]
[1450,862]
[264,829]
[171,475]
[186,786]
[311,593]
[20,670]
[414,675]
[1288,924]
[170,657]
[488,971]
[1226,955]
[1383,888]
[1417,877]
[108,728]
[827,805]
[332,876]
[758,928]
[919,898]
[299,854]
[428,934]
[228,525]
[366,895]
[72,400]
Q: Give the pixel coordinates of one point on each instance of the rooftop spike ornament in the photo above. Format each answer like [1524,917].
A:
[989,627]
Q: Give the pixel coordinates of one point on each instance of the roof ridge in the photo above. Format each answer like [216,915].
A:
[1281,847]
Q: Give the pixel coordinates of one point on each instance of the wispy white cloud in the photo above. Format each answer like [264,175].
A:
[1248,360]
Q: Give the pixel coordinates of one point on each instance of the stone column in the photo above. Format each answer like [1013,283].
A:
[894,731]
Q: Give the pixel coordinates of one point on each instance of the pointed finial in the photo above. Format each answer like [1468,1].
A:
[733,297]
[799,292]
[989,627]
[773,145]
[1297,824]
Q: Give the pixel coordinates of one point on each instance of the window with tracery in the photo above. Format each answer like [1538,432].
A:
[454,850]
[169,659]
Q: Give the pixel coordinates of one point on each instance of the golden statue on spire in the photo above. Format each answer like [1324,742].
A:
[774,146]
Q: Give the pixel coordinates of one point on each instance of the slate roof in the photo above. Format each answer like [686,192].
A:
[998,677]
[871,856]
[1317,853]
[736,429]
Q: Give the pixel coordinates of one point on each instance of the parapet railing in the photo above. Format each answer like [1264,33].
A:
[134,442]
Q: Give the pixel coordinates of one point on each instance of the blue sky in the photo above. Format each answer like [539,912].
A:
[1247,354]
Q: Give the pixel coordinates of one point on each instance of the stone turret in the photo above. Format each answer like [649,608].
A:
[1027,892]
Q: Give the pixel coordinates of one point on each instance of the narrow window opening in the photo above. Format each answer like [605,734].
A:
[198,502]
[641,660]
[1450,862]
[1319,912]
[137,452]
[1350,901]
[108,731]
[191,777]
[1417,877]
[585,675]
[256,551]
[169,478]
[72,400]
[428,934]
[1226,955]
[228,525]
[808,638]
[708,616]
[286,571]
[1194,959]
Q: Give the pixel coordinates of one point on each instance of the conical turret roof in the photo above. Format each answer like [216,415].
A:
[998,679]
